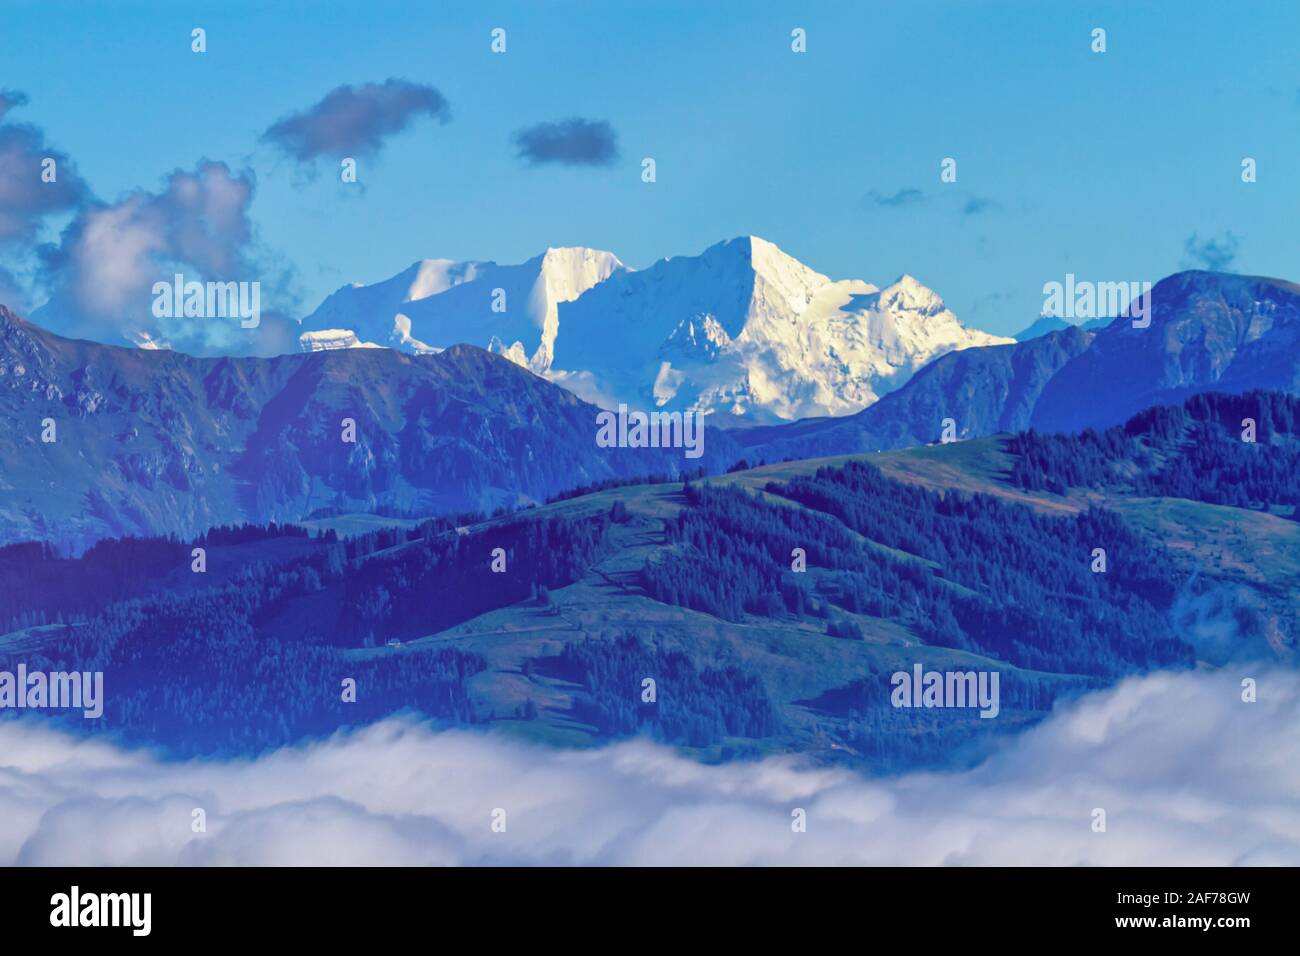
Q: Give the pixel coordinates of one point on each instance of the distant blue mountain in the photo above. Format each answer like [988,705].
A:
[984,390]
[1052,323]
[1209,332]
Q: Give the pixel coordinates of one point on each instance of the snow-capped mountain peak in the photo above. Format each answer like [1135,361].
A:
[327,340]
[778,283]
[747,330]
[742,328]
[907,294]
[434,276]
[435,303]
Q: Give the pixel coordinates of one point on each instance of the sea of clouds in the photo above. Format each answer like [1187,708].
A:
[1187,773]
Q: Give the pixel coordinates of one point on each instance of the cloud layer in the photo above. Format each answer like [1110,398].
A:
[570,142]
[354,121]
[1187,773]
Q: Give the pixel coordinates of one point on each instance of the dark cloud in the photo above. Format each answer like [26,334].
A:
[571,142]
[9,99]
[355,121]
[1216,253]
[904,197]
[910,196]
[26,198]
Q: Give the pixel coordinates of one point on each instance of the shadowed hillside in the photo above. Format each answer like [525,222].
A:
[157,442]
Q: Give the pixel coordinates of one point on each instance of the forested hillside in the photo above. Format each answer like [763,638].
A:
[1239,450]
[995,578]
[253,655]
[769,606]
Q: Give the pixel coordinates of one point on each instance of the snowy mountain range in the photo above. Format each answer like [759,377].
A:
[435,303]
[743,330]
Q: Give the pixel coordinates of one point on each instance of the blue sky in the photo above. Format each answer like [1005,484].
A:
[1068,161]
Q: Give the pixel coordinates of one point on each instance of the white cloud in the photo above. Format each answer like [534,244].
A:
[1187,773]
[102,273]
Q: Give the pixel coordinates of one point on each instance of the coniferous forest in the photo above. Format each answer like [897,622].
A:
[963,571]
[691,706]
[257,658]
[1238,450]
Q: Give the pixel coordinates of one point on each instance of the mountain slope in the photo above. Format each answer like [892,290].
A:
[161,442]
[983,390]
[1208,331]
[1053,323]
